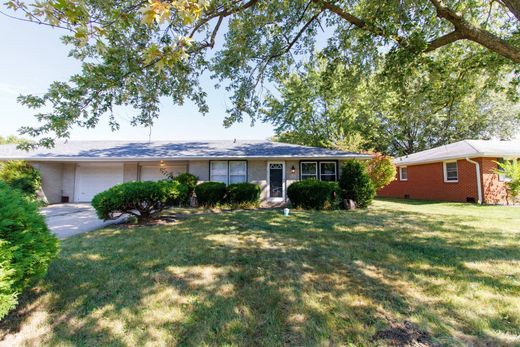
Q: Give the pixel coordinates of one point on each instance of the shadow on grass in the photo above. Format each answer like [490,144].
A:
[257,278]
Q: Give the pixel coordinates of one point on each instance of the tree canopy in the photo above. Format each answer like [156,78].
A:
[134,52]
[442,99]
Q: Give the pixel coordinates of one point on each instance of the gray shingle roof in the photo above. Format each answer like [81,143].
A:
[124,150]
[463,149]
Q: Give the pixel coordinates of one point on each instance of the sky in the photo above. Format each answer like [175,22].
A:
[33,57]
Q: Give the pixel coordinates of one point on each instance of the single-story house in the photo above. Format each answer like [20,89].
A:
[76,171]
[463,171]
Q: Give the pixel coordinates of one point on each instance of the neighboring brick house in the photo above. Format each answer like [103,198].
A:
[462,171]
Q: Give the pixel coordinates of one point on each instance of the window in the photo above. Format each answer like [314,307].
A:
[328,171]
[228,172]
[309,170]
[403,173]
[219,171]
[322,170]
[502,177]
[451,172]
[237,172]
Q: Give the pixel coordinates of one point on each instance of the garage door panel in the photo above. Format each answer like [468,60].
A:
[91,180]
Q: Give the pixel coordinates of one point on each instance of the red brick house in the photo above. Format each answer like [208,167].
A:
[463,171]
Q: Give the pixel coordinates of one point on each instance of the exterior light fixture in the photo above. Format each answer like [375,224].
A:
[293,170]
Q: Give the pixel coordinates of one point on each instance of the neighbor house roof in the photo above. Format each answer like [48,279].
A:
[166,150]
[461,150]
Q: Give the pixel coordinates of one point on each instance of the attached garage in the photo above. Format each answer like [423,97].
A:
[154,172]
[92,179]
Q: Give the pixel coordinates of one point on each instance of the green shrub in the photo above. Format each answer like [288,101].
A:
[20,175]
[144,200]
[190,181]
[26,246]
[356,184]
[210,193]
[313,194]
[511,170]
[243,194]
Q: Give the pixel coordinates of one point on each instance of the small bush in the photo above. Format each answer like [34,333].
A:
[190,181]
[144,200]
[356,184]
[243,194]
[313,194]
[20,175]
[210,193]
[26,246]
[381,171]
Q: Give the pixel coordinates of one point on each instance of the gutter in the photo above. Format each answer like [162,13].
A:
[479,185]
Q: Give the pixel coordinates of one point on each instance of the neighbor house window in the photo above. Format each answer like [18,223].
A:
[403,173]
[502,177]
[451,172]
[228,172]
[309,170]
[328,170]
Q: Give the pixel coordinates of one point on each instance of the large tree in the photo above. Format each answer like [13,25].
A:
[442,99]
[135,52]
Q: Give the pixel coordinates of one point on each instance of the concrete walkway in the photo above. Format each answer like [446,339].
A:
[66,220]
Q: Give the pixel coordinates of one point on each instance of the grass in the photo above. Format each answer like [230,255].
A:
[258,278]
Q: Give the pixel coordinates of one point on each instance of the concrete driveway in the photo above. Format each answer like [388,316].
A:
[66,220]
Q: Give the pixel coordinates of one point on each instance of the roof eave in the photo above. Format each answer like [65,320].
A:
[187,158]
[457,157]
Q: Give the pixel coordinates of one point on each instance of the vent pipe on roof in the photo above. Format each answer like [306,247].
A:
[479,185]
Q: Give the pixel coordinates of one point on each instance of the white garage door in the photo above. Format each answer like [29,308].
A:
[153,173]
[93,179]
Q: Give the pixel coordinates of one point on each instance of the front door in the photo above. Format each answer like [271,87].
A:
[276,178]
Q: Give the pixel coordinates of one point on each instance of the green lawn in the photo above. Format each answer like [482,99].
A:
[258,278]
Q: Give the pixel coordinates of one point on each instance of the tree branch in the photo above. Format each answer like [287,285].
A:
[513,6]
[463,29]
[358,22]
[444,40]
[475,34]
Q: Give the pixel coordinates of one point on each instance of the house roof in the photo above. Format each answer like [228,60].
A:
[166,150]
[463,149]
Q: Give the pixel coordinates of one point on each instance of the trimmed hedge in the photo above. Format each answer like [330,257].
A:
[243,194]
[26,246]
[313,194]
[210,193]
[20,175]
[356,184]
[144,200]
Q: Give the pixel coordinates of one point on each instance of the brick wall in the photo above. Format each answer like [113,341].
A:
[426,182]
[493,190]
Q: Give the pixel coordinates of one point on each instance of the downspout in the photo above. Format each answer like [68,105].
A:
[479,185]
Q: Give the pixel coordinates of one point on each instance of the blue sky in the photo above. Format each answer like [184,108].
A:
[33,57]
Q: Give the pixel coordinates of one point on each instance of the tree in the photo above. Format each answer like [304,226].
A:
[134,52]
[11,139]
[381,171]
[445,97]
